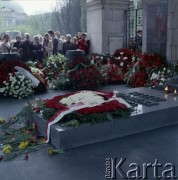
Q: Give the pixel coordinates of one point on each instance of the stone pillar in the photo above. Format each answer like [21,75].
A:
[155,26]
[160,28]
[107,24]
[172,42]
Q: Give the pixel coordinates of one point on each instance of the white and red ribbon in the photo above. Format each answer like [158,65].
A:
[60,114]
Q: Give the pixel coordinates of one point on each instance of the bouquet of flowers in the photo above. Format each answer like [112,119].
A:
[17,86]
[76,61]
[85,78]
[114,73]
[123,58]
[159,77]
[8,67]
[143,70]
[54,65]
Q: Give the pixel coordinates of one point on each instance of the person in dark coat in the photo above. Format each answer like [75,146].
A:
[17,43]
[68,45]
[26,48]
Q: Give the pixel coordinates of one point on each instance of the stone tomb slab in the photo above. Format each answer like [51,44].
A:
[144,118]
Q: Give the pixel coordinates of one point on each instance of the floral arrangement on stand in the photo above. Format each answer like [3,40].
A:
[123,58]
[37,69]
[114,67]
[158,78]
[144,68]
[53,66]
[71,64]
[124,66]
[17,80]
[84,75]
[17,86]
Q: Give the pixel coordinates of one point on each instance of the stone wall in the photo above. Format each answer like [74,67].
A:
[106,24]
[155,26]
[163,43]
[172,42]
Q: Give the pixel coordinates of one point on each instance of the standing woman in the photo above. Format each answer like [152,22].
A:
[47,46]
[5,45]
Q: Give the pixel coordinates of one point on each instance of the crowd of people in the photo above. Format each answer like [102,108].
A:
[40,47]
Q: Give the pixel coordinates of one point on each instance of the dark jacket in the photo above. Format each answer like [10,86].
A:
[68,46]
[16,44]
[55,46]
[26,50]
[38,51]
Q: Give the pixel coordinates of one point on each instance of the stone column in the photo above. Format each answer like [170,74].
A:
[107,24]
[172,42]
[161,35]
[155,26]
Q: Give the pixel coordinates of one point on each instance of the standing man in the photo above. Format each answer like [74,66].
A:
[55,42]
[68,45]
[26,48]
[17,43]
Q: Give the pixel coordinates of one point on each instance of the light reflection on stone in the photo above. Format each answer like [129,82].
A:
[175,99]
[138,110]
[166,96]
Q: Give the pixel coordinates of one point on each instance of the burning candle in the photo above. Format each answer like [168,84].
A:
[166,89]
[175,92]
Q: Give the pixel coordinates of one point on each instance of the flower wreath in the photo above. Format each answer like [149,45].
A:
[108,102]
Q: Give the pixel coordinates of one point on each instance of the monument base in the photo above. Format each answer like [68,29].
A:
[144,118]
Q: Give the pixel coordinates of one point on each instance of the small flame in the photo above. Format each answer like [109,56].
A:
[175,92]
[166,88]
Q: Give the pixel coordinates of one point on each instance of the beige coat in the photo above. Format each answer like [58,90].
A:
[49,48]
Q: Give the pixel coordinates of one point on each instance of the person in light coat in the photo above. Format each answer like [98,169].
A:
[5,45]
[47,46]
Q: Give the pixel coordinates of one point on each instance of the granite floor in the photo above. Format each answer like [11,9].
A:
[88,162]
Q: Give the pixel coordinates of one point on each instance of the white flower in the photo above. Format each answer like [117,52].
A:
[133,58]
[154,76]
[121,64]
[168,71]
[163,79]
[125,58]
[121,53]
[85,97]
[2,89]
